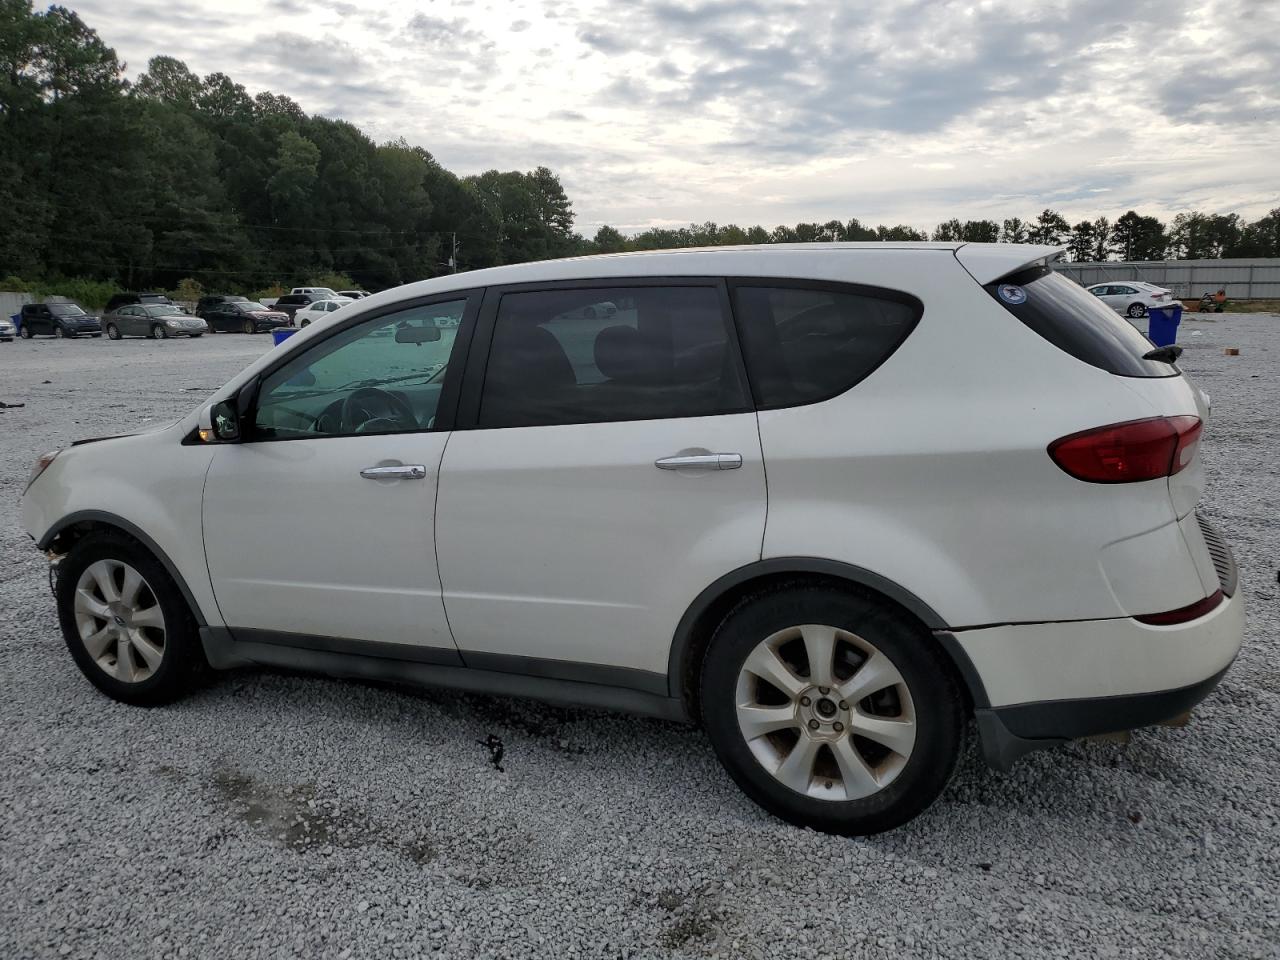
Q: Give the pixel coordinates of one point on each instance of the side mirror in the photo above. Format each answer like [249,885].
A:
[419,335]
[224,423]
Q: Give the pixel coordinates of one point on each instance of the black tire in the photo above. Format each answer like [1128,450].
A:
[929,678]
[95,335]
[248,327]
[1136,310]
[59,332]
[25,333]
[158,332]
[303,324]
[113,332]
[195,336]
[183,665]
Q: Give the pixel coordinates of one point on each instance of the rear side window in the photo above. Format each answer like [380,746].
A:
[1073,320]
[809,343]
[598,355]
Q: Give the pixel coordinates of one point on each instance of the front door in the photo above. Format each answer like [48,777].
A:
[611,471]
[320,524]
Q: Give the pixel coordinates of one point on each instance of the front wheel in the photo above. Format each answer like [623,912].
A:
[1137,310]
[248,327]
[831,710]
[125,622]
[59,333]
[303,324]
[158,332]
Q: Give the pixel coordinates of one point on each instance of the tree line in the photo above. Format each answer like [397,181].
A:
[179,177]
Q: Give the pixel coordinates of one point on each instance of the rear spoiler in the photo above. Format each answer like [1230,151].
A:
[986,262]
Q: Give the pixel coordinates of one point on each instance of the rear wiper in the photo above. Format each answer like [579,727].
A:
[1164,354]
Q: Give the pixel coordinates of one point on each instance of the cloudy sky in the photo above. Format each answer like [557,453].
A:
[777,111]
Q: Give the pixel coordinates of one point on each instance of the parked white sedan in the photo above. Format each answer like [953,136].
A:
[1130,298]
[318,310]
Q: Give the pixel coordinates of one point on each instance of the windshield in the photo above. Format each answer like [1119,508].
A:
[250,306]
[162,310]
[66,310]
[1076,322]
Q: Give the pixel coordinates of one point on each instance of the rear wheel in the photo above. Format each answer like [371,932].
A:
[126,623]
[25,333]
[1136,310]
[113,332]
[830,709]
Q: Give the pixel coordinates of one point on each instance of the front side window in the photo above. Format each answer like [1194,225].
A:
[623,353]
[382,376]
[809,343]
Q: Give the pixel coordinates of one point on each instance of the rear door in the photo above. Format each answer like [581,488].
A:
[609,470]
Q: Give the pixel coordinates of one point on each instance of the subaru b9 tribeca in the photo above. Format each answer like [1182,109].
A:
[829,500]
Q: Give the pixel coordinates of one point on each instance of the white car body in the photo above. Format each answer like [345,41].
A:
[319,291]
[7,330]
[1130,298]
[319,310]
[556,561]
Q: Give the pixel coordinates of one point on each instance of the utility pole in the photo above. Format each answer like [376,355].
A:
[453,256]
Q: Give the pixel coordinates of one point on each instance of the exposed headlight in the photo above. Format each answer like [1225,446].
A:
[41,465]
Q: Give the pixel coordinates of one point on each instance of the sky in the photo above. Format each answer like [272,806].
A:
[666,112]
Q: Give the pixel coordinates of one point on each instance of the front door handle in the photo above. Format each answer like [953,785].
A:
[403,471]
[701,461]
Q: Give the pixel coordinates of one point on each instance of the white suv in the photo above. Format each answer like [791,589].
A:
[830,500]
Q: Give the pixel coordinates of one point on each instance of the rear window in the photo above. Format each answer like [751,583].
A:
[806,343]
[1074,321]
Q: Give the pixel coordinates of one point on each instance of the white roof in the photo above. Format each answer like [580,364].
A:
[985,261]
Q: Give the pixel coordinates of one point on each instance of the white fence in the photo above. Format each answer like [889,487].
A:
[1256,279]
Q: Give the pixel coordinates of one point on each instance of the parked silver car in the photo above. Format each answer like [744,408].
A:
[156,320]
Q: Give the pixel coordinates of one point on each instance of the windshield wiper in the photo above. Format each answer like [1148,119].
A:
[1167,354]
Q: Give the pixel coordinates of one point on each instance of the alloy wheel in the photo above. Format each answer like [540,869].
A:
[119,620]
[825,712]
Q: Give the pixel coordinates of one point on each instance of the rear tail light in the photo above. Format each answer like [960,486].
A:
[1157,296]
[1129,452]
[1192,611]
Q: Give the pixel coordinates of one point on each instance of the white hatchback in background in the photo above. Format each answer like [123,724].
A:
[1130,298]
[980,503]
[319,310]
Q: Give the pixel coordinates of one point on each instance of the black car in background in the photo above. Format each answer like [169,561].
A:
[244,316]
[291,303]
[124,299]
[61,319]
[205,304]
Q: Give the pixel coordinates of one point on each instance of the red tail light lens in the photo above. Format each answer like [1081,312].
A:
[1129,452]
[1192,611]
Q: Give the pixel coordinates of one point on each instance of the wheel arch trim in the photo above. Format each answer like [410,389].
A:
[686,634]
[103,518]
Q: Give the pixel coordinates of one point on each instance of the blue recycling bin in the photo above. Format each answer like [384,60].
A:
[281,334]
[1162,324]
[17,322]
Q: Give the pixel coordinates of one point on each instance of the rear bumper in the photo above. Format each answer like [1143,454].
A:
[1051,682]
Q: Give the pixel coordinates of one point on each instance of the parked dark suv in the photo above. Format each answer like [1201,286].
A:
[62,319]
[124,299]
[291,303]
[205,304]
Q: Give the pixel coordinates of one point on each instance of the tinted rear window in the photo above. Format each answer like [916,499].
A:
[808,343]
[1075,321]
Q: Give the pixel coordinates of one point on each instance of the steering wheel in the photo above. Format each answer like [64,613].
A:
[369,410]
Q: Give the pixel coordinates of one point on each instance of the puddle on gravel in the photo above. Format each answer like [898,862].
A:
[295,817]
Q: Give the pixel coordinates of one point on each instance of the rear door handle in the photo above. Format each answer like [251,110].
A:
[701,461]
[404,471]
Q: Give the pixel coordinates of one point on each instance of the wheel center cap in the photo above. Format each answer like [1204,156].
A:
[119,620]
[826,707]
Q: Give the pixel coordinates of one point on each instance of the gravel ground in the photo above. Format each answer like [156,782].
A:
[275,815]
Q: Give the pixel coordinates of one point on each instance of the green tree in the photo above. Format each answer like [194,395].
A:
[1083,240]
[980,231]
[1013,230]
[168,80]
[1050,228]
[1135,237]
[949,231]
[609,240]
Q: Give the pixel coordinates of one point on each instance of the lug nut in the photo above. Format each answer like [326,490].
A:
[844,704]
[838,727]
[805,701]
[813,724]
[824,690]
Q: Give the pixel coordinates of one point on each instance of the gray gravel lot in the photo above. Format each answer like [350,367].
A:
[283,816]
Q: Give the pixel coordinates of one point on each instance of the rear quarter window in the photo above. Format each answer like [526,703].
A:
[806,342]
[1074,321]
